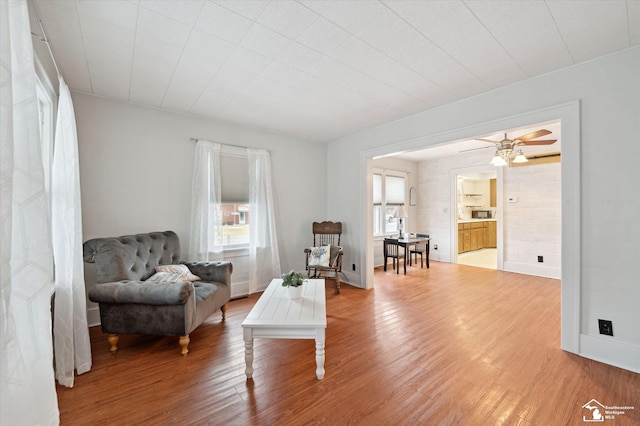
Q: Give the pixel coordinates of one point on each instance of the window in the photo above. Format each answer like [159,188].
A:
[388,196]
[45,112]
[234,186]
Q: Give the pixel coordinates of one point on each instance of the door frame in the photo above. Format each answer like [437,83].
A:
[453,209]
[569,115]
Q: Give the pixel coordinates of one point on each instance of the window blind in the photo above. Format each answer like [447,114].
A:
[394,190]
[234,179]
[377,189]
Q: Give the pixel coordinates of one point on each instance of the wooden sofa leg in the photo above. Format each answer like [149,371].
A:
[184,343]
[113,342]
[338,282]
[224,311]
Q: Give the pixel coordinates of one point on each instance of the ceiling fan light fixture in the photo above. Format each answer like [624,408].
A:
[506,147]
[497,160]
[520,158]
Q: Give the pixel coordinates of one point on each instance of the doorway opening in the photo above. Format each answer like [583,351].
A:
[475,236]
[569,115]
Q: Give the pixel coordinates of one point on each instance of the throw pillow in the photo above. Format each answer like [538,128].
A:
[161,277]
[319,256]
[186,274]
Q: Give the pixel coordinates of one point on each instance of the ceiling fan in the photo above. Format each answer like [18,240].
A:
[506,147]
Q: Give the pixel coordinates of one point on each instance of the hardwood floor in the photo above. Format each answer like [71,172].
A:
[448,345]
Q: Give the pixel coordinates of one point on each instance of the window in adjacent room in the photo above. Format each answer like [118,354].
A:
[388,196]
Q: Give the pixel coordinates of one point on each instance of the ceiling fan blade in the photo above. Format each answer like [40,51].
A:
[536,134]
[542,142]
[474,149]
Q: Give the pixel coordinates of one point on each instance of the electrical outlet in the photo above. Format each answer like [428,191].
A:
[435,247]
[606,327]
[353,266]
[540,259]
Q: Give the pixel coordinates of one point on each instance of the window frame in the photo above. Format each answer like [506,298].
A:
[46,122]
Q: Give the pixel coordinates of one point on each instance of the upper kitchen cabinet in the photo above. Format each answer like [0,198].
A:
[492,193]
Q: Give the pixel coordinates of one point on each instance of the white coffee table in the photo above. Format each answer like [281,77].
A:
[275,316]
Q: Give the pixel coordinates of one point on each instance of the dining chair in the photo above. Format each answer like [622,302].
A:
[391,251]
[420,249]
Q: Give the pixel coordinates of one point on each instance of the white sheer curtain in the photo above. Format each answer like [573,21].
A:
[27,384]
[70,330]
[264,260]
[205,242]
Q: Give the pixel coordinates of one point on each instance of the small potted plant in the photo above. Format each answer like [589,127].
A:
[293,282]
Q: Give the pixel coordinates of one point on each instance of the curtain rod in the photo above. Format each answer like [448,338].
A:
[44,37]
[227,144]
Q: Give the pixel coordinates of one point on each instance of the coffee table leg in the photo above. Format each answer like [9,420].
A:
[248,351]
[320,353]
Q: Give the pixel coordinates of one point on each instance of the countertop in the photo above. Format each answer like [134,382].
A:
[476,220]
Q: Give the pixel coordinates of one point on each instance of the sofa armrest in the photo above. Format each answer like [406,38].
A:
[219,272]
[148,293]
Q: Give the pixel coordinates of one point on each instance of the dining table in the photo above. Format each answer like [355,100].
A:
[407,241]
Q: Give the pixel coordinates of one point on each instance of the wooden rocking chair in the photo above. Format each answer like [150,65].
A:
[326,234]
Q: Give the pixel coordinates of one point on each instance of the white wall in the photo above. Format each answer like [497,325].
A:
[608,90]
[532,225]
[136,165]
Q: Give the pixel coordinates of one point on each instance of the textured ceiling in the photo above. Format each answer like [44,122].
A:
[319,70]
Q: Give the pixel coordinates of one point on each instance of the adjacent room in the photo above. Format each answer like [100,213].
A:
[316,211]
[454,185]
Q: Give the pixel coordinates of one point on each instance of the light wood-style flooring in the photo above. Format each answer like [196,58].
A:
[449,345]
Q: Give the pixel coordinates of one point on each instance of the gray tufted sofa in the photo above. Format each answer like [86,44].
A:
[130,305]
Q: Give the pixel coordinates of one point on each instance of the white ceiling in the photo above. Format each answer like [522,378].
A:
[319,70]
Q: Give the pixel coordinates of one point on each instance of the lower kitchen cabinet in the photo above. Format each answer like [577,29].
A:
[476,236]
[491,235]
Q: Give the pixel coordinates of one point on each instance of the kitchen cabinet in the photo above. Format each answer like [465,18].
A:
[492,193]
[474,239]
[464,237]
[491,235]
[476,236]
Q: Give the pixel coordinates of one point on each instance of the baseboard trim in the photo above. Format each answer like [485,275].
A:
[609,351]
[529,269]
[239,289]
